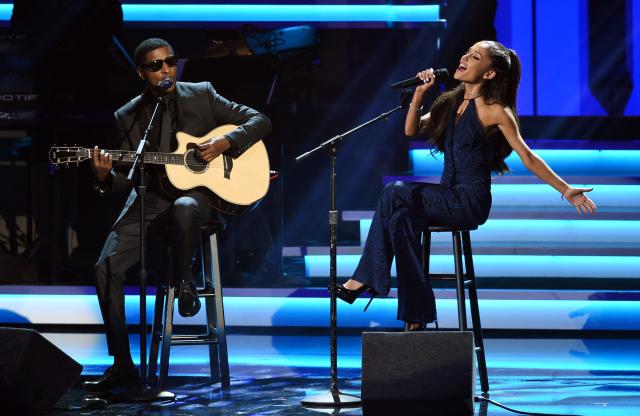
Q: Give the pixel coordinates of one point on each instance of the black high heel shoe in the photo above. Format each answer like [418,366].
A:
[350,296]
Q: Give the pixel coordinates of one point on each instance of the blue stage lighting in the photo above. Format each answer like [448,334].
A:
[563,161]
[6,10]
[181,13]
[590,310]
[278,13]
[503,266]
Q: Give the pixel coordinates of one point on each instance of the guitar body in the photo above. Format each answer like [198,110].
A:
[234,184]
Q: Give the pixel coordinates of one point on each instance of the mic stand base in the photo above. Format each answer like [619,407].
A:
[143,394]
[332,398]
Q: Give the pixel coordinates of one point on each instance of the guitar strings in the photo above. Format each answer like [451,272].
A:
[122,157]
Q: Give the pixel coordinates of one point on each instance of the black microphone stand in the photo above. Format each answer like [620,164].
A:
[334,398]
[143,393]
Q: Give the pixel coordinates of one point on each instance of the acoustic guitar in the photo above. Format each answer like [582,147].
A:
[234,184]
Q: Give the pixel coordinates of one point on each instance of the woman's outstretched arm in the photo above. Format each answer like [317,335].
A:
[506,122]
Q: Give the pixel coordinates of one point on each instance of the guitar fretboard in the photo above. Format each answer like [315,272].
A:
[158,158]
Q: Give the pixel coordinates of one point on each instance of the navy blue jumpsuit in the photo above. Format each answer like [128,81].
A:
[463,198]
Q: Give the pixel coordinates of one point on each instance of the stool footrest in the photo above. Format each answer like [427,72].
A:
[195,336]
[467,282]
[442,277]
[195,342]
[207,295]
[194,339]
[201,291]
[206,292]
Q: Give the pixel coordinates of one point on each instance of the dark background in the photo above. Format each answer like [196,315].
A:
[78,64]
[75,55]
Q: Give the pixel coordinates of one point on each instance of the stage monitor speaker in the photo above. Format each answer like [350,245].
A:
[34,373]
[430,372]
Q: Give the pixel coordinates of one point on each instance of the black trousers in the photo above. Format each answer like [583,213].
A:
[121,252]
[403,209]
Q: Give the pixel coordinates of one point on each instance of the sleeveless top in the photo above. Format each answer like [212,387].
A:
[468,152]
[468,157]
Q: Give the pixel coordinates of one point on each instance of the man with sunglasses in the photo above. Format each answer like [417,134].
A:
[194,108]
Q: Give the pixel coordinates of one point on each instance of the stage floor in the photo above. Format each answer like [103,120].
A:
[271,374]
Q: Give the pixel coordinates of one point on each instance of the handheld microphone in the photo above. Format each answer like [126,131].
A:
[165,83]
[440,74]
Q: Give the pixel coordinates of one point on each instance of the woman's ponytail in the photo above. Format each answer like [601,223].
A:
[513,80]
[503,88]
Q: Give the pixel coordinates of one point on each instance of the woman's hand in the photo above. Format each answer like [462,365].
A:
[413,120]
[428,79]
[577,198]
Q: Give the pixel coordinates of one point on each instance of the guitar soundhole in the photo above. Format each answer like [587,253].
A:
[194,163]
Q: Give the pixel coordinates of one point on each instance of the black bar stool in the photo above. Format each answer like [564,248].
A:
[463,280]
[215,337]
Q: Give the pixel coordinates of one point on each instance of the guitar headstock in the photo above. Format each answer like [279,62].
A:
[67,155]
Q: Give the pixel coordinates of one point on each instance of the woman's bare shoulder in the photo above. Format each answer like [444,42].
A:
[493,112]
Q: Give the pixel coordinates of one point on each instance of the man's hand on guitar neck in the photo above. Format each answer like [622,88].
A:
[213,148]
[101,163]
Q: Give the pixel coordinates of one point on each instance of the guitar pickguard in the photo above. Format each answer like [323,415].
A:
[228,165]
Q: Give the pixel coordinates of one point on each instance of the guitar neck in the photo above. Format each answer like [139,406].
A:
[128,156]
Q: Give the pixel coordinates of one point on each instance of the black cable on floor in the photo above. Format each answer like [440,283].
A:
[520,412]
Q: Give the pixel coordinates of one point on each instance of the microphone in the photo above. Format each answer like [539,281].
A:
[440,74]
[165,83]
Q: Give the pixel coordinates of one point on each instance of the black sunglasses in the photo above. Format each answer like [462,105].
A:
[156,65]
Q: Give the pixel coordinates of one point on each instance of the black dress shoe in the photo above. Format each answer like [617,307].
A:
[114,377]
[188,301]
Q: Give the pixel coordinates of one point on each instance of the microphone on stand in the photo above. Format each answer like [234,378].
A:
[164,84]
[440,74]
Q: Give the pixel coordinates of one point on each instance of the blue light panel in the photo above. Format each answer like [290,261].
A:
[503,266]
[633,106]
[269,13]
[562,60]
[5,12]
[313,352]
[279,13]
[514,27]
[536,195]
[563,161]
[540,232]
[312,312]
[543,231]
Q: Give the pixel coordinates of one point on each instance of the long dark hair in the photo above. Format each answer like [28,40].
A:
[502,89]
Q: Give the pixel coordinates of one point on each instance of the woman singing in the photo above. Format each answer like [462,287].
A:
[475,125]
